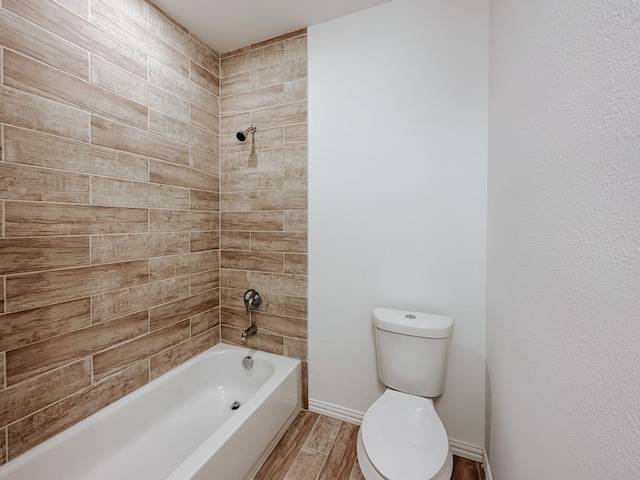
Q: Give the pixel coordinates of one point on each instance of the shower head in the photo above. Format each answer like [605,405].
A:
[242,136]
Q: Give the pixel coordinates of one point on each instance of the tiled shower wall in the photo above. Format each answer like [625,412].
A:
[263,194]
[109,208]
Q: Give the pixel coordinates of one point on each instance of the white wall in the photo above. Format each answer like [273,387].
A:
[397,194]
[563,336]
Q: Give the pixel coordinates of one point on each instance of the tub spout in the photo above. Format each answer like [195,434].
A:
[249,332]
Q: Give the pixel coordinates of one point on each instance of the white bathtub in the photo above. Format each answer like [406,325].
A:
[180,426]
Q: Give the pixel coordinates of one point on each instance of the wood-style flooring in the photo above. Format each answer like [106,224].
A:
[316,447]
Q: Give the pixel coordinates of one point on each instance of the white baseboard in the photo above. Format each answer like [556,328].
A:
[487,469]
[336,411]
[467,451]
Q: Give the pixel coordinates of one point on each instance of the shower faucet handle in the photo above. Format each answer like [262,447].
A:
[252,300]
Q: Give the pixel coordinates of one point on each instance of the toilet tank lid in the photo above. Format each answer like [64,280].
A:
[416,324]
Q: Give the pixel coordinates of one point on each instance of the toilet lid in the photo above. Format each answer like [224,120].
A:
[404,438]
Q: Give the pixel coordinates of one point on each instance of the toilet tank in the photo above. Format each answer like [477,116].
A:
[412,350]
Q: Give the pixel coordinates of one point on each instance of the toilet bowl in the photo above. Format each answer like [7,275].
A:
[402,438]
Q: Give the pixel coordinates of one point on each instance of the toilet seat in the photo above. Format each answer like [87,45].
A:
[404,438]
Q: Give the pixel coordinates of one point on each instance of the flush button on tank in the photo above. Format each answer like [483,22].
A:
[410,316]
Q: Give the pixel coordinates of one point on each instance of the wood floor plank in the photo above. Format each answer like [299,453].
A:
[306,466]
[342,455]
[284,454]
[464,469]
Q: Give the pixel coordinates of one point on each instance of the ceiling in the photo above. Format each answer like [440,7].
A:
[226,25]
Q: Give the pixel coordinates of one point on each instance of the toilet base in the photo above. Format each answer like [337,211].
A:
[370,473]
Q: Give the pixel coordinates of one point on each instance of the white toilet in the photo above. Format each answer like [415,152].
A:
[402,437]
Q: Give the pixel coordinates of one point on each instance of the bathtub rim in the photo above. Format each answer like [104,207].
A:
[284,366]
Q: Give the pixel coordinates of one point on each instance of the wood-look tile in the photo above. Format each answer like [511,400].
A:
[34,148]
[30,111]
[253,59]
[116,192]
[183,132]
[3,446]
[205,119]
[203,200]
[235,240]
[307,465]
[34,77]
[161,268]
[2,280]
[251,221]
[122,356]
[19,255]
[251,100]
[200,241]
[295,264]
[285,452]
[296,178]
[259,180]
[26,362]
[295,91]
[356,473]
[32,430]
[295,348]
[235,279]
[267,282]
[169,174]
[235,202]
[295,221]
[257,261]
[295,134]
[134,10]
[204,78]
[53,17]
[117,303]
[464,469]
[204,161]
[177,36]
[279,200]
[295,306]
[295,47]
[293,242]
[182,220]
[280,325]
[48,388]
[280,115]
[323,435]
[119,248]
[343,454]
[23,36]
[19,182]
[105,14]
[40,289]
[24,219]
[175,356]
[170,313]
[205,321]
[234,317]
[81,7]
[29,326]
[286,37]
[181,86]
[234,298]
[204,281]
[261,341]
[108,133]
[118,80]
[269,75]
